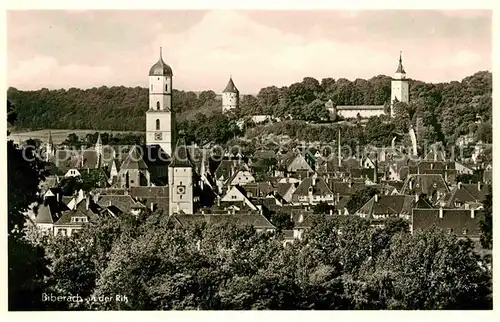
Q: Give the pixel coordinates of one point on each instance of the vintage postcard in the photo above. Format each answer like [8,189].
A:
[241,159]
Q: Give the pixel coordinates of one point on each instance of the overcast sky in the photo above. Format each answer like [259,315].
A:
[63,49]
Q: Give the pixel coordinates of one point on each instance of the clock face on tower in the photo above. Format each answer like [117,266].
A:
[181,189]
[158,136]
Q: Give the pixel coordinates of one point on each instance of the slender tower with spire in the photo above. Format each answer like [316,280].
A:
[230,96]
[160,117]
[99,150]
[399,88]
[49,148]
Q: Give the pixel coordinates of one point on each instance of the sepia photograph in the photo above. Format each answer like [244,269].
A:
[171,160]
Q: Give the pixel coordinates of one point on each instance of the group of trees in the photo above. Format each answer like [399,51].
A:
[90,139]
[342,263]
[438,112]
[115,108]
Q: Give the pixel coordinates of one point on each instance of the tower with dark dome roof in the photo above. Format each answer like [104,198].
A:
[399,86]
[230,96]
[160,118]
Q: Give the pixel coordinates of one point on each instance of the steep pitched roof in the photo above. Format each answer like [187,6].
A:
[43,215]
[457,220]
[388,205]
[400,66]
[230,87]
[134,160]
[180,157]
[256,220]
[319,188]
[125,203]
[424,184]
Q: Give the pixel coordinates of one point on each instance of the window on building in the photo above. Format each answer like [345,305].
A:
[166,87]
[151,88]
[158,105]
[180,196]
[234,197]
[157,124]
[131,181]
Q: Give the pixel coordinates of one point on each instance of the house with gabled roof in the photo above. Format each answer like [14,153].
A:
[463,223]
[237,195]
[116,205]
[71,221]
[381,207]
[254,219]
[466,196]
[312,190]
[431,185]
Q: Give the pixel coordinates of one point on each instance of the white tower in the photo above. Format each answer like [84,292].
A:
[160,118]
[399,89]
[230,96]
[181,181]
[49,148]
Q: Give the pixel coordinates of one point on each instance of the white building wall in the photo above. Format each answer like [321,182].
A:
[229,101]
[181,190]
[362,112]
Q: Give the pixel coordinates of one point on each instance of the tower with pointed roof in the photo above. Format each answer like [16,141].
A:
[49,148]
[181,181]
[399,86]
[160,118]
[230,96]
[99,150]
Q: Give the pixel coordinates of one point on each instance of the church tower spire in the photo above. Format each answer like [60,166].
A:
[49,147]
[160,118]
[399,86]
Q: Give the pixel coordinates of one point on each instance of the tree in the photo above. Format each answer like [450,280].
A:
[322,208]
[27,267]
[360,197]
[281,220]
[486,223]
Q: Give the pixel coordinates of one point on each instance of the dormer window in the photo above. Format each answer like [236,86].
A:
[79,219]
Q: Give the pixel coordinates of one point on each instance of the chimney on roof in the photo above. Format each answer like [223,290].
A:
[152,206]
[87,202]
[416,197]
[301,218]
[479,185]
[109,203]
[459,185]
[376,197]
[338,197]
[472,213]
[331,212]
[440,212]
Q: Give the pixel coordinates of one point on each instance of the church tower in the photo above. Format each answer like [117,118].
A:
[399,88]
[49,148]
[181,181]
[160,118]
[230,96]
